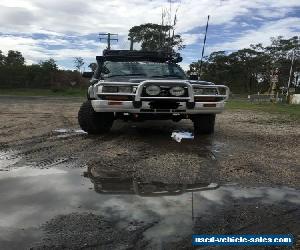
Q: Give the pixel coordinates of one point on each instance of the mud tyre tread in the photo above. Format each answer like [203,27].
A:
[94,122]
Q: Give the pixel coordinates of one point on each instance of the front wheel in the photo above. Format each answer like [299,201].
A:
[93,122]
[204,123]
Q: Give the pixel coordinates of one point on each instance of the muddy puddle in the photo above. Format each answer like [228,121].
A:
[42,208]
[126,191]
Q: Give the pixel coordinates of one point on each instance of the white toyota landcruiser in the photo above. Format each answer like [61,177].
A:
[139,86]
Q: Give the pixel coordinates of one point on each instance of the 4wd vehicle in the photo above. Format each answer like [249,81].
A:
[139,86]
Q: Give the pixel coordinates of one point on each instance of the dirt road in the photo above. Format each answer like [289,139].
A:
[50,170]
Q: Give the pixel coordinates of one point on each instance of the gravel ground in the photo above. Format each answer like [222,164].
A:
[249,149]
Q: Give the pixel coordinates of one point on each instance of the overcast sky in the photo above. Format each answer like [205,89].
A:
[64,29]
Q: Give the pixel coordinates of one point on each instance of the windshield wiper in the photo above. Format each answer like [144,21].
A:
[127,75]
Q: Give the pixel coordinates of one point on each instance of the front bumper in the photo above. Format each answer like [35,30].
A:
[128,107]
[142,104]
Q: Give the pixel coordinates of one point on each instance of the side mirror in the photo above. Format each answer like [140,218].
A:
[193,77]
[87,74]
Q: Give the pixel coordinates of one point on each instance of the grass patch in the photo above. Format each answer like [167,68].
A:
[76,92]
[293,111]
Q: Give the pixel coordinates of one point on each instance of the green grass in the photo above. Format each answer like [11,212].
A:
[76,92]
[293,111]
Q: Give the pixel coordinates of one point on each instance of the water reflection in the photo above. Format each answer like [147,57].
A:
[114,183]
[31,196]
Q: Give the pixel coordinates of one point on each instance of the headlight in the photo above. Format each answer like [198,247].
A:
[125,89]
[210,91]
[109,89]
[153,90]
[177,91]
[115,89]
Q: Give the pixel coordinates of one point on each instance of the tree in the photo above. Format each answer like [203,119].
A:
[2,59]
[214,68]
[15,74]
[49,65]
[249,70]
[93,66]
[78,63]
[280,52]
[156,37]
[14,58]
[48,71]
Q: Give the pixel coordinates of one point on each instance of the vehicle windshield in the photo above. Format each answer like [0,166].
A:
[145,69]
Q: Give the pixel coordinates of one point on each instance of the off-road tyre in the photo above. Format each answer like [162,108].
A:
[94,122]
[204,123]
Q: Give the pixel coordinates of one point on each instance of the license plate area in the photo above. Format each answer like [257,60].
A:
[164,105]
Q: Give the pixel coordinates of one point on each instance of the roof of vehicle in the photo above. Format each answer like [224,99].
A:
[137,55]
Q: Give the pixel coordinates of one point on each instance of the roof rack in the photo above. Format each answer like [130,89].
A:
[136,55]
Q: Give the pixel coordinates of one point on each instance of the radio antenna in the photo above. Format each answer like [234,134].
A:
[201,61]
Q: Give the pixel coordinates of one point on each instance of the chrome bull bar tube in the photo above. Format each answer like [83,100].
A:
[190,87]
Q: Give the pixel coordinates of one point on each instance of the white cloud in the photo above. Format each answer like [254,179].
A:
[83,17]
[62,18]
[184,66]
[189,39]
[287,27]
[34,50]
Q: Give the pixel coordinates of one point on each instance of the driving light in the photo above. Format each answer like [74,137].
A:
[153,90]
[177,91]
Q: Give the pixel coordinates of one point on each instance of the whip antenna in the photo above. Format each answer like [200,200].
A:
[201,61]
